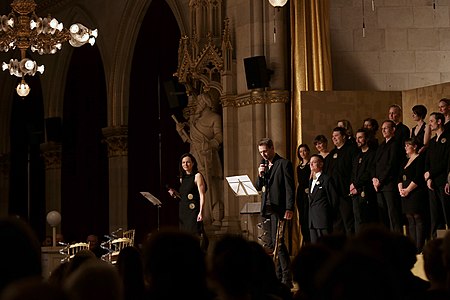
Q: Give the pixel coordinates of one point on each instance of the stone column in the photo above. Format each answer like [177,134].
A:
[231,221]
[5,165]
[117,140]
[51,152]
[276,117]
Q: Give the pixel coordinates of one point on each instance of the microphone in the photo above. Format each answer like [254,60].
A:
[265,163]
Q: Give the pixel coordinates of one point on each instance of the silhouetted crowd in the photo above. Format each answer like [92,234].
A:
[373,264]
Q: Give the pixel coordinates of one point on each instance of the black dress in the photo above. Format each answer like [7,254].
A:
[189,205]
[420,135]
[416,200]
[303,174]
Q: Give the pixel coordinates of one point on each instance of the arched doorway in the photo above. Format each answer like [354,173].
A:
[154,145]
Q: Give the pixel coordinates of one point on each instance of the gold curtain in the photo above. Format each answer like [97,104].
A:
[311,64]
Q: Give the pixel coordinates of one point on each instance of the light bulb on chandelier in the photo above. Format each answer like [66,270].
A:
[23,89]
[41,35]
[278,3]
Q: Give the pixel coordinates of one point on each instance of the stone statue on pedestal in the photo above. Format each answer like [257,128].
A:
[205,137]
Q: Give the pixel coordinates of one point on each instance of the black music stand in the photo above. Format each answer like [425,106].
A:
[153,200]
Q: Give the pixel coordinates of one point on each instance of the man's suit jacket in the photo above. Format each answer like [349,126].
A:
[437,158]
[322,203]
[363,164]
[279,186]
[388,160]
[402,133]
[340,167]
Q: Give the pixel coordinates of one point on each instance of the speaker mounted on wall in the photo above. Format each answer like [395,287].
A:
[176,94]
[256,72]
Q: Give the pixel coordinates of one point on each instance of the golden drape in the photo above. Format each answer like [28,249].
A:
[311,64]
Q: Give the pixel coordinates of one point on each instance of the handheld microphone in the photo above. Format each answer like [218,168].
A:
[265,163]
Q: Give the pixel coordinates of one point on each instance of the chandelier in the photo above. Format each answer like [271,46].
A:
[23,29]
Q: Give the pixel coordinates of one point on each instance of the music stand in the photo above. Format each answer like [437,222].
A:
[153,200]
[242,185]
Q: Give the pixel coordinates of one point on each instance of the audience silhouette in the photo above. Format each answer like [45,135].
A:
[174,266]
[374,264]
[433,264]
[21,255]
[129,265]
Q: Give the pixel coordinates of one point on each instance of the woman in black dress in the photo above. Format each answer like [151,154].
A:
[191,195]
[303,175]
[421,131]
[412,188]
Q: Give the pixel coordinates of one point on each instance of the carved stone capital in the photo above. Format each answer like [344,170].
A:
[117,140]
[256,97]
[51,152]
[5,164]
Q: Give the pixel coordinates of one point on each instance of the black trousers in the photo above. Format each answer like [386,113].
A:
[283,264]
[439,209]
[345,220]
[389,210]
[316,233]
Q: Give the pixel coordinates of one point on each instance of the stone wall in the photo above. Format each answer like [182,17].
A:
[322,110]
[406,44]
[428,96]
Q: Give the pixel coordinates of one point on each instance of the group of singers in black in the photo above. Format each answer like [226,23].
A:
[401,180]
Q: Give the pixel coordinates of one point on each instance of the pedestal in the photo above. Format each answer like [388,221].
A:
[51,259]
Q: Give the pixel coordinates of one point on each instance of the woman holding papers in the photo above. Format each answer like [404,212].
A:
[191,195]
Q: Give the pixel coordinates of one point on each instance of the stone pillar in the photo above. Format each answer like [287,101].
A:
[51,152]
[231,220]
[277,48]
[117,140]
[276,117]
[5,165]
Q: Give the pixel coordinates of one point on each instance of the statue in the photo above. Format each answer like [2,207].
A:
[205,137]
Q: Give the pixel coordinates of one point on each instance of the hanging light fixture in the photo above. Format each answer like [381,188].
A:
[23,29]
[278,3]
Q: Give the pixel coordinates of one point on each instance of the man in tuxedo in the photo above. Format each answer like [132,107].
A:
[276,181]
[322,200]
[388,160]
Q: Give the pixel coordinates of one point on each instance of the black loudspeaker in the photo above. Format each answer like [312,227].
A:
[256,72]
[176,93]
[53,129]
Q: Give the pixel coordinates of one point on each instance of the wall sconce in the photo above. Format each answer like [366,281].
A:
[278,3]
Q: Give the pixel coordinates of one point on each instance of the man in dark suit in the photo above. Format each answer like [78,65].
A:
[322,200]
[388,159]
[276,181]
[402,131]
[436,165]
[361,187]
[340,170]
